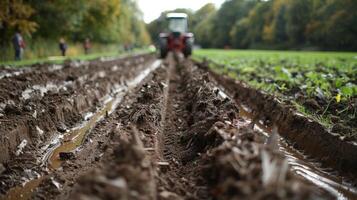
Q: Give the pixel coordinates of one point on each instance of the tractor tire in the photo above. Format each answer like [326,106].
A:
[187,51]
[163,48]
[163,53]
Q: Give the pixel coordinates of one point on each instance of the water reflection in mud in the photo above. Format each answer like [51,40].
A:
[74,139]
[307,168]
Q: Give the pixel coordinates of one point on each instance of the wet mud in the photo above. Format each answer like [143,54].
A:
[39,125]
[301,132]
[140,128]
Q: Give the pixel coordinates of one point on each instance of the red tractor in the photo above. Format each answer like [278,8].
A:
[178,39]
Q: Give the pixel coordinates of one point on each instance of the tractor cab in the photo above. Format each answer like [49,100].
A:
[177,39]
[177,22]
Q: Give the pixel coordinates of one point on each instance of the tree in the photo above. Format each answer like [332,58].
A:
[298,14]
[280,35]
[230,12]
[58,18]
[203,32]
[15,15]
[334,26]
[202,14]
[104,21]
[203,25]
[99,21]
[248,31]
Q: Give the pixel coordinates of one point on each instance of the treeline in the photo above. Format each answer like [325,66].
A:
[103,21]
[274,24]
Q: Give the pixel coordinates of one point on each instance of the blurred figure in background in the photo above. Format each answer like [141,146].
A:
[19,45]
[87,45]
[63,46]
[126,47]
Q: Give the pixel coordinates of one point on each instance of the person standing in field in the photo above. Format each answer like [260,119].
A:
[87,45]
[63,46]
[19,45]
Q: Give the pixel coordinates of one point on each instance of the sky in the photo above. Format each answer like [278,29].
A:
[153,8]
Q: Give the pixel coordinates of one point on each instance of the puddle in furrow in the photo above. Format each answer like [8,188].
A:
[23,192]
[308,169]
[73,140]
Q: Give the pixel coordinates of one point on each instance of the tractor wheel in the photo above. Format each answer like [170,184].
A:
[187,51]
[163,53]
[163,48]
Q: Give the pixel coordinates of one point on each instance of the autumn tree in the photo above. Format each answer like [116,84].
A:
[321,24]
[298,15]
[202,25]
[104,21]
[334,24]
[248,31]
[99,21]
[230,12]
[15,15]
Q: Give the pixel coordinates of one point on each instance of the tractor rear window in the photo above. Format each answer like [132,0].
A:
[178,25]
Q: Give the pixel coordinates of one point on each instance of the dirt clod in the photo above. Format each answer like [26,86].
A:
[2,168]
[61,127]
[67,155]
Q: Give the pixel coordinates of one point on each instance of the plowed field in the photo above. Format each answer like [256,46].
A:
[142,128]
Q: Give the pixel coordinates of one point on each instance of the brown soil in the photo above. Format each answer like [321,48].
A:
[38,119]
[302,132]
[174,135]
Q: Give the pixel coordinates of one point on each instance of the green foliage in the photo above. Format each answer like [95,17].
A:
[102,52]
[333,24]
[279,25]
[247,32]
[297,17]
[229,13]
[45,49]
[15,15]
[114,21]
[204,26]
[102,21]
[316,73]
[202,14]
[349,90]
[274,24]
[57,18]
[320,84]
